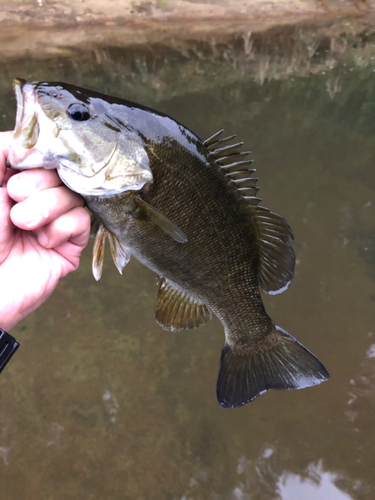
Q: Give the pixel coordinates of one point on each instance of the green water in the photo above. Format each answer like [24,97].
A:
[101,403]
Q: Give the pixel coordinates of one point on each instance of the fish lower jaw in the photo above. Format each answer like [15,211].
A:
[98,186]
[105,192]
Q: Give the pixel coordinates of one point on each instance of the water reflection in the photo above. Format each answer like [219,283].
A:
[318,484]
[314,484]
[101,403]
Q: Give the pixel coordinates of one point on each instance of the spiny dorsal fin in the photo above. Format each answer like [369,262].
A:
[120,254]
[275,236]
[230,149]
[220,142]
[237,170]
[276,253]
[211,141]
[98,253]
[176,310]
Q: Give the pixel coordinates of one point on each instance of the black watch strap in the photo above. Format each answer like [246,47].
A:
[8,346]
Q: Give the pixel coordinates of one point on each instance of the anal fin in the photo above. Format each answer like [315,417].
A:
[176,310]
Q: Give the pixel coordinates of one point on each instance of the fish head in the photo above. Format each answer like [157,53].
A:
[60,126]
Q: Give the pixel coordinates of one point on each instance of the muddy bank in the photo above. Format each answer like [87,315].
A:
[42,28]
[119,12]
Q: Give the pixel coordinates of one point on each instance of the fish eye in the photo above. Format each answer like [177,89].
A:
[78,112]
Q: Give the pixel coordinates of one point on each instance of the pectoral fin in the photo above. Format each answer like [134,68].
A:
[176,310]
[162,221]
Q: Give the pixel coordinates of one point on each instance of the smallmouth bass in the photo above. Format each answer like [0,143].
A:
[185,208]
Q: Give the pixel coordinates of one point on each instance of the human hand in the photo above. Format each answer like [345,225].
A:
[43,230]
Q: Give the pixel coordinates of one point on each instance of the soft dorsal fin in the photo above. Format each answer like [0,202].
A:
[120,254]
[274,234]
[277,257]
[176,310]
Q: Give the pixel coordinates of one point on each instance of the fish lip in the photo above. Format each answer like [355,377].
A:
[18,84]
[26,130]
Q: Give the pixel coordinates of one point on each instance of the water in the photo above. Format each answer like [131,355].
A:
[100,403]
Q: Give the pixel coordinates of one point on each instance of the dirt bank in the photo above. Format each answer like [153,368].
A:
[320,32]
[72,12]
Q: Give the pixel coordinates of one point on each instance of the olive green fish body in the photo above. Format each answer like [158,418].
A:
[218,264]
[185,208]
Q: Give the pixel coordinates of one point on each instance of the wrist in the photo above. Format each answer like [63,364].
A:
[8,346]
[9,320]
[10,312]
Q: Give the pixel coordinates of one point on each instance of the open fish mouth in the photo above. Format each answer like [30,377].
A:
[26,131]
[46,136]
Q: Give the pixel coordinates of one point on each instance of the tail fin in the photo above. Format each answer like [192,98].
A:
[286,365]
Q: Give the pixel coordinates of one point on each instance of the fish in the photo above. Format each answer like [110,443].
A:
[186,208]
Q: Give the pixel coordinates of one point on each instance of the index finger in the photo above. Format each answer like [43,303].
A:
[22,185]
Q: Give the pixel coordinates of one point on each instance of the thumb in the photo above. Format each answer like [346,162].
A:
[6,226]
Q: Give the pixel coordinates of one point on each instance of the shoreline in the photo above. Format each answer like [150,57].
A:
[70,13]
[44,41]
